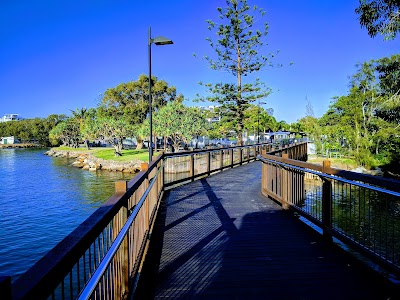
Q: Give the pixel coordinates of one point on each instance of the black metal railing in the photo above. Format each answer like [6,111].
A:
[102,258]
[360,210]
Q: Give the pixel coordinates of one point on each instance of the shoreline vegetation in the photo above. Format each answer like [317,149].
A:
[350,164]
[102,159]
[21,145]
[131,160]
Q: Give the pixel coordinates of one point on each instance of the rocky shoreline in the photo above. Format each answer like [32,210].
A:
[26,145]
[87,161]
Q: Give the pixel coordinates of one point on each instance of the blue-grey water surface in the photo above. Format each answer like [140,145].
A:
[42,199]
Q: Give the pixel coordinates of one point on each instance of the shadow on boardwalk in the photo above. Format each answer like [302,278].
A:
[219,238]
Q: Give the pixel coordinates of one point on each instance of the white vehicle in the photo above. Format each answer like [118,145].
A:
[200,142]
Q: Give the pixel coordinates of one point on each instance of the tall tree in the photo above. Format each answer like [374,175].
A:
[80,115]
[179,123]
[380,17]
[367,118]
[67,132]
[113,130]
[237,49]
[130,100]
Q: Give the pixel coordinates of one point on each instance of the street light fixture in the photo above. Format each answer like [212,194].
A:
[258,121]
[159,41]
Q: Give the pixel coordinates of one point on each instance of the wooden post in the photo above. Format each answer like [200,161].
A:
[162,179]
[231,155]
[221,159]
[240,156]
[263,151]
[326,201]
[122,280]
[191,167]
[144,166]
[285,185]
[264,178]
[208,163]
[121,186]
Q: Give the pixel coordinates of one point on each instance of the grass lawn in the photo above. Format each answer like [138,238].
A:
[108,153]
[81,149]
[127,155]
[340,163]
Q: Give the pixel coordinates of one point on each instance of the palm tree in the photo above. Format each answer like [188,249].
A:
[80,115]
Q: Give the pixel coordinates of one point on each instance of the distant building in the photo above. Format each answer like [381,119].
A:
[10,117]
[279,135]
[8,140]
[211,108]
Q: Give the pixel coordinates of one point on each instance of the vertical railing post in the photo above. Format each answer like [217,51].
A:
[264,177]
[221,159]
[5,287]
[263,151]
[145,167]
[208,163]
[162,179]
[240,156]
[191,167]
[285,185]
[122,280]
[231,156]
[326,201]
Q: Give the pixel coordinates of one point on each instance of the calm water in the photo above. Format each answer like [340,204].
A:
[42,200]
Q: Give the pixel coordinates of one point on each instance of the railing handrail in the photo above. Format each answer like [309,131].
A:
[96,277]
[51,270]
[199,151]
[387,183]
[284,181]
[325,175]
[45,275]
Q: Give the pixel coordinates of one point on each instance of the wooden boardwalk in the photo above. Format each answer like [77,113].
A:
[219,238]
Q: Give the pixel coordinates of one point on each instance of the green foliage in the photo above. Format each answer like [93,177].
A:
[113,130]
[380,17]
[179,123]
[129,101]
[66,132]
[366,120]
[28,130]
[257,119]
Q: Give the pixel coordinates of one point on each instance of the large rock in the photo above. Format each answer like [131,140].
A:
[78,164]
[86,161]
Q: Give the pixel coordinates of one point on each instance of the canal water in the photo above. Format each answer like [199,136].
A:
[42,199]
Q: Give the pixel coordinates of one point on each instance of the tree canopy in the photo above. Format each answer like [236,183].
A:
[130,100]
[366,119]
[380,17]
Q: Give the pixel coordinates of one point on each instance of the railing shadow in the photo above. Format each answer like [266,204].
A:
[217,251]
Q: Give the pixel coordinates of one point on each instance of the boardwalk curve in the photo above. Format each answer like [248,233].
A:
[219,238]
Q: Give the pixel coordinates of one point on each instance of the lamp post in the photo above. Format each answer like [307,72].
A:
[159,41]
[258,121]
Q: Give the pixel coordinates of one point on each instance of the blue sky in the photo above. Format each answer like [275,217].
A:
[57,56]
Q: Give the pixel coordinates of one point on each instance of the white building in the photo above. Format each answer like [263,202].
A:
[279,135]
[9,117]
[7,140]
[211,108]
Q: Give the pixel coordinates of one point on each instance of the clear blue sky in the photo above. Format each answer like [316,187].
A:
[57,56]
